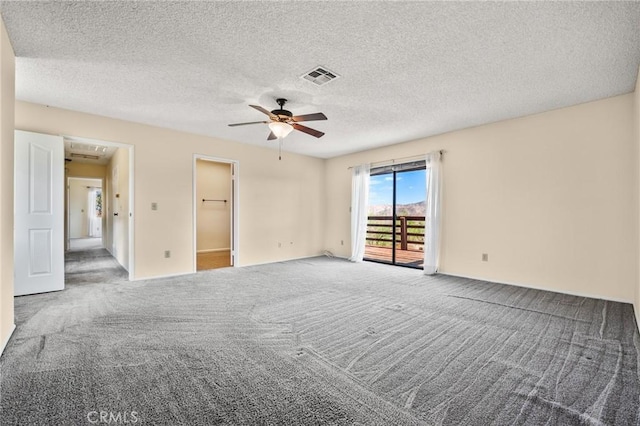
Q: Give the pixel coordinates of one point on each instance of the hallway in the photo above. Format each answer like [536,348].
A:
[95,265]
[80,244]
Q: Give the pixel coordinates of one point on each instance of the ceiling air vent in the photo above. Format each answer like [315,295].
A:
[320,76]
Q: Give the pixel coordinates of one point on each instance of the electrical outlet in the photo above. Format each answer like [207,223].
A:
[154,206]
[167,254]
[485,257]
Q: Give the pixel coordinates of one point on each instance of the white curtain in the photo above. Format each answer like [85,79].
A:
[433,214]
[359,205]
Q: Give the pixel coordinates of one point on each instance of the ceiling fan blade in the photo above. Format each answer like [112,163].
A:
[262,110]
[309,117]
[307,130]
[244,124]
[271,136]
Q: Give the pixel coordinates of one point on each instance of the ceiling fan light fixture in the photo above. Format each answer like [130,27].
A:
[280,129]
[282,122]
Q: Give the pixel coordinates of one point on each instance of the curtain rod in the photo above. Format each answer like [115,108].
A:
[393,161]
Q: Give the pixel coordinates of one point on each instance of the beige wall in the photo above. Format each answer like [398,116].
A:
[549,197]
[7,99]
[280,201]
[213,219]
[75,169]
[116,237]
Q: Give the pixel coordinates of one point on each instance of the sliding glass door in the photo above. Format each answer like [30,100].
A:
[395,227]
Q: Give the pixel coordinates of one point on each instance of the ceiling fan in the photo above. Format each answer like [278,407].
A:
[282,122]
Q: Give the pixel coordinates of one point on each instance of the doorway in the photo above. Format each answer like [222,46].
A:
[215,213]
[396,215]
[107,169]
[84,213]
[41,229]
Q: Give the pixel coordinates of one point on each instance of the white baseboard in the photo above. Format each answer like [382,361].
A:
[179,274]
[278,261]
[112,255]
[6,340]
[554,290]
[636,311]
[157,277]
[213,250]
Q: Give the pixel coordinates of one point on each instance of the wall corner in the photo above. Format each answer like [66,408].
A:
[7,107]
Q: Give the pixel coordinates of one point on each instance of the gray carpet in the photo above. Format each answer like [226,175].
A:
[92,266]
[319,341]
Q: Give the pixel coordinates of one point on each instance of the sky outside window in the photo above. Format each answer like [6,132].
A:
[410,188]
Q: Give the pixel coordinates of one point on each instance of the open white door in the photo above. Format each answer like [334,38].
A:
[39,213]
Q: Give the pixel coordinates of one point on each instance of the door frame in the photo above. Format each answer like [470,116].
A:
[395,170]
[131,169]
[235,207]
[68,205]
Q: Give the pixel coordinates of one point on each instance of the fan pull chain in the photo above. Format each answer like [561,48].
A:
[279,148]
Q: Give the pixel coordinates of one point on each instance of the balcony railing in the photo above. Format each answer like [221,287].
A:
[409,233]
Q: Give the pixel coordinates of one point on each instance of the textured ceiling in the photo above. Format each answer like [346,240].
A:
[80,150]
[408,69]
